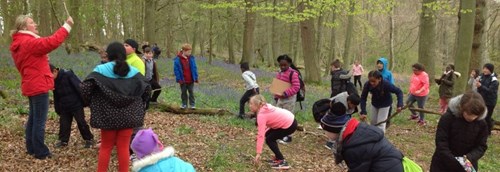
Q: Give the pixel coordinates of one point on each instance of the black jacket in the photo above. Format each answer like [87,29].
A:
[457,137]
[339,81]
[368,150]
[67,92]
[116,103]
[488,89]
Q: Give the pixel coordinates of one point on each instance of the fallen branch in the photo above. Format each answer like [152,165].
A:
[426,111]
[393,115]
[201,111]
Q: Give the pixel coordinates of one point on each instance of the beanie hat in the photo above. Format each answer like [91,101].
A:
[336,118]
[490,67]
[133,44]
[145,143]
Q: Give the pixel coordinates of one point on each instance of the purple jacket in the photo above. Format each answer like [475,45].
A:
[285,76]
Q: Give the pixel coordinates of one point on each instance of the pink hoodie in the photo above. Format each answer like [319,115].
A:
[270,117]
[357,70]
[419,81]
[285,76]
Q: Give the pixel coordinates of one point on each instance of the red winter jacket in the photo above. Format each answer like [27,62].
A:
[29,52]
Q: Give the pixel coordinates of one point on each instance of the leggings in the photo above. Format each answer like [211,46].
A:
[274,134]
[110,139]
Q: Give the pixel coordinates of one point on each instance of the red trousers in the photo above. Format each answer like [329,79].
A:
[110,138]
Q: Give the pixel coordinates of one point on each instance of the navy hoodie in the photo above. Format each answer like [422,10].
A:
[381,95]
[67,92]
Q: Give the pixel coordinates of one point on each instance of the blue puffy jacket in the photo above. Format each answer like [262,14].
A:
[163,161]
[178,69]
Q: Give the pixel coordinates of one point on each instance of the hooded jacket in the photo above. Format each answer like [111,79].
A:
[135,61]
[115,102]
[339,81]
[386,73]
[29,52]
[446,83]
[364,148]
[163,161]
[179,73]
[381,95]
[488,89]
[67,92]
[457,137]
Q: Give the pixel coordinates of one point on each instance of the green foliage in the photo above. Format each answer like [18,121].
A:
[183,130]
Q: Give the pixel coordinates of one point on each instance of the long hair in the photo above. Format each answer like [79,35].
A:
[20,24]
[116,52]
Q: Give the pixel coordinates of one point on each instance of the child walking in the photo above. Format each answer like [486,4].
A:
[152,156]
[419,90]
[446,83]
[186,74]
[273,123]
[251,87]
[68,104]
[357,71]
[461,134]
[381,102]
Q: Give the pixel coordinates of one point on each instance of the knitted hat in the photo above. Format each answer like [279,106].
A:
[490,67]
[336,118]
[133,44]
[145,143]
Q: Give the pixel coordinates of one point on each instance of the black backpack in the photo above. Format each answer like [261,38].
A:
[301,95]
[320,108]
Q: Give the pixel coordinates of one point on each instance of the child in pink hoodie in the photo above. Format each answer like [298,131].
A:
[419,90]
[273,123]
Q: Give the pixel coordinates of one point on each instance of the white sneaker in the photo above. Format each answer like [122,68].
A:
[319,127]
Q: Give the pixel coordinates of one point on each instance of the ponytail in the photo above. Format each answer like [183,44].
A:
[116,53]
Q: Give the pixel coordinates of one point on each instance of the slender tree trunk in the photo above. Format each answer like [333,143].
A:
[485,56]
[391,40]
[464,44]
[478,41]
[427,41]
[229,37]
[195,35]
[308,43]
[76,36]
[349,30]
[332,53]
[319,38]
[274,39]
[210,35]
[149,23]
[295,42]
[248,33]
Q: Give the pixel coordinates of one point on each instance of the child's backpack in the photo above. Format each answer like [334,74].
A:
[320,108]
[301,95]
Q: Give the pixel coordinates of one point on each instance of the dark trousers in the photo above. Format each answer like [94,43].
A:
[35,126]
[420,103]
[357,79]
[274,134]
[155,85]
[488,119]
[244,99]
[185,88]
[65,120]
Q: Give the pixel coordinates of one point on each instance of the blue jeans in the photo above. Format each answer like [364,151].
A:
[35,127]
[420,103]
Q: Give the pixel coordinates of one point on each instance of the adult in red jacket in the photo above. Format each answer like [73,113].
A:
[29,52]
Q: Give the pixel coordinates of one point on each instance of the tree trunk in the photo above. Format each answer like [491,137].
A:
[485,56]
[308,43]
[427,40]
[349,30]
[464,44]
[149,22]
[248,33]
[195,35]
[478,40]
[210,34]
[332,54]
[274,39]
[319,37]
[391,40]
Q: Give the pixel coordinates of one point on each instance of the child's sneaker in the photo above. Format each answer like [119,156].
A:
[88,143]
[183,107]
[319,127]
[61,144]
[272,161]
[330,145]
[281,165]
[133,158]
[193,107]
[286,140]
[413,117]
[421,123]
